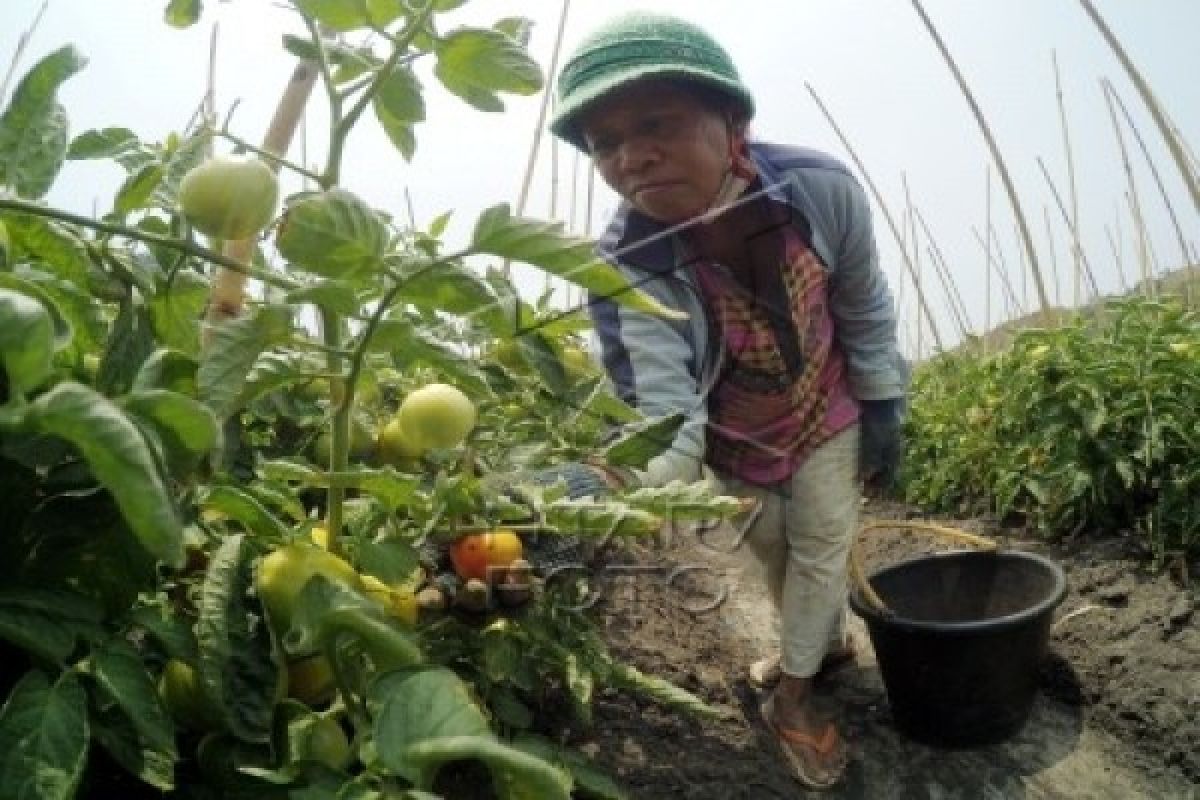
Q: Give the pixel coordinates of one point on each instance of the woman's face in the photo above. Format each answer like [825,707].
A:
[659,148]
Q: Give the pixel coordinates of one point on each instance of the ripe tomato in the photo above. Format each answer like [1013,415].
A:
[437,415]
[484,556]
[284,572]
[229,197]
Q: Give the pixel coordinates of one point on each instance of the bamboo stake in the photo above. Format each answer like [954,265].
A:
[924,304]
[1087,267]
[1077,247]
[229,287]
[1053,256]
[994,263]
[939,260]
[1024,272]
[1121,246]
[1186,169]
[1116,251]
[19,51]
[1009,187]
[1158,181]
[1017,307]
[987,267]
[1131,194]
[911,228]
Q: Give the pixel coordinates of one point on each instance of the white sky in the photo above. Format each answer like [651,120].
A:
[871,60]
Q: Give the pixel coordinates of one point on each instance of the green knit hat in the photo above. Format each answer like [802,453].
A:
[634,47]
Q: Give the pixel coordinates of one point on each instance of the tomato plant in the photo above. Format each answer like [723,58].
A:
[165,450]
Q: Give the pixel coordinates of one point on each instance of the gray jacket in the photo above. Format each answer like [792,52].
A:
[662,366]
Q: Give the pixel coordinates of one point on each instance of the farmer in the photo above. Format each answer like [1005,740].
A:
[786,365]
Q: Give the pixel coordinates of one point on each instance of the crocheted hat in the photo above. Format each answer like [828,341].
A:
[634,47]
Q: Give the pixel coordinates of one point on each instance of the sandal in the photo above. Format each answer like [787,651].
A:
[823,745]
[765,673]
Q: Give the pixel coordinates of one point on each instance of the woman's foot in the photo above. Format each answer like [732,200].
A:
[814,750]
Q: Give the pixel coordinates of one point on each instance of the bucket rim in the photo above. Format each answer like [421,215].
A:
[990,625]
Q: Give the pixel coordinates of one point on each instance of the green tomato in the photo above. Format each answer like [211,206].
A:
[283,573]
[229,197]
[183,694]
[396,446]
[325,742]
[437,415]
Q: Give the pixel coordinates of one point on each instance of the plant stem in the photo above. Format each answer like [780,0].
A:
[342,392]
[266,155]
[179,245]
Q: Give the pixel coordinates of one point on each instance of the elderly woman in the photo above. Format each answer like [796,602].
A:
[787,364]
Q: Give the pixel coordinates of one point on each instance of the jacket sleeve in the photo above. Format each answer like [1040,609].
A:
[860,301]
[653,367]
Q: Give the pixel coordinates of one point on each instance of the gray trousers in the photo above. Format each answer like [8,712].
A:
[799,546]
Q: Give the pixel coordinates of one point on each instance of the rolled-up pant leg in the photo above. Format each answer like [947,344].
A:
[801,542]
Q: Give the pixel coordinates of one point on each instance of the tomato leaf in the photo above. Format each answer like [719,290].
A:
[236,659]
[590,780]
[55,247]
[398,106]
[678,501]
[233,350]
[274,371]
[27,341]
[516,775]
[546,246]
[33,129]
[120,459]
[476,63]
[176,310]
[333,234]
[167,369]
[643,441]
[183,13]
[247,510]
[186,426]
[336,14]
[102,143]
[43,737]
[145,743]
[138,188]
[48,624]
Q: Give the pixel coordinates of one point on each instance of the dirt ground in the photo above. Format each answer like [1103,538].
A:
[1118,715]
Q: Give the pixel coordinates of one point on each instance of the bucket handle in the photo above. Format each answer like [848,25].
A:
[858,574]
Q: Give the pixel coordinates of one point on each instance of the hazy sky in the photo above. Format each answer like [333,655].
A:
[871,61]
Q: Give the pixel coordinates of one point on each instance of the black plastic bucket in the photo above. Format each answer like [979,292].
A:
[961,648]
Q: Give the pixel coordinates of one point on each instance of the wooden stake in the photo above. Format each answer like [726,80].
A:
[1077,247]
[1135,206]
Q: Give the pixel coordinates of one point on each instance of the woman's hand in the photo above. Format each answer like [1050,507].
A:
[881,446]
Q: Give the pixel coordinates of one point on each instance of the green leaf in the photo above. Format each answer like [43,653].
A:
[120,459]
[394,562]
[590,780]
[236,661]
[519,29]
[130,342]
[48,624]
[55,248]
[624,676]
[186,426]
[412,343]
[183,13]
[339,15]
[138,188]
[678,501]
[33,130]
[333,234]
[27,341]
[643,441]
[167,369]
[417,705]
[274,371]
[382,13]
[124,681]
[331,295]
[398,106]
[544,245]
[450,287]
[176,311]
[49,294]
[78,542]
[247,510]
[43,738]
[102,143]
[348,62]
[516,775]
[475,63]
[234,348]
